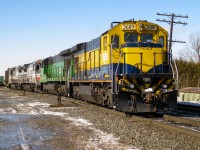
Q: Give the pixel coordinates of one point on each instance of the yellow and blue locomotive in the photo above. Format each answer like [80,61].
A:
[128,68]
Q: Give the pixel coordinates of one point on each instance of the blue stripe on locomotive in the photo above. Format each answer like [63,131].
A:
[122,69]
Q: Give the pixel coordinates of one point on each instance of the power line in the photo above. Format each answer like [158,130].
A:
[181,31]
[195,20]
[171,21]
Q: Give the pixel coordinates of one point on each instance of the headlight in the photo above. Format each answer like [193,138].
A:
[149,90]
[164,86]
[131,85]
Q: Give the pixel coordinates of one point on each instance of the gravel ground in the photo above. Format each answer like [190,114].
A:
[73,126]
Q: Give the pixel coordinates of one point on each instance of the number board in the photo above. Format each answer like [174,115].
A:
[128,27]
[150,27]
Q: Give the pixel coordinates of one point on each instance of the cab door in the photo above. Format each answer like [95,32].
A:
[105,54]
[162,38]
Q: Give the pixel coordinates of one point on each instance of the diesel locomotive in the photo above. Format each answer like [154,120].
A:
[128,67]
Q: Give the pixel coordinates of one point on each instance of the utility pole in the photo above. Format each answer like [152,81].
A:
[172,22]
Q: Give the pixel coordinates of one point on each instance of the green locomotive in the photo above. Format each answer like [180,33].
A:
[1,80]
[52,74]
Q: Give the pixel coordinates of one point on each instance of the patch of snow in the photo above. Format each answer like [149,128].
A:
[107,140]
[25,147]
[101,138]
[79,121]
[53,113]
[38,108]
[33,112]
[8,110]
[190,128]
[22,139]
[38,104]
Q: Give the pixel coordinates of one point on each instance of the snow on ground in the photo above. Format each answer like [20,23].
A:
[54,113]
[8,111]
[98,139]
[101,138]
[79,121]
[38,104]
[38,108]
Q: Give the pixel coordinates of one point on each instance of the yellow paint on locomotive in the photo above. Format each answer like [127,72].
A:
[101,57]
[105,49]
[88,60]
[132,54]
[133,57]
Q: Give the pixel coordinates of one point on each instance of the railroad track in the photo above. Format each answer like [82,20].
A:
[190,108]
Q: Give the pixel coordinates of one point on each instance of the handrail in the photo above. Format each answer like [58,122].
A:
[177,79]
[170,62]
[118,63]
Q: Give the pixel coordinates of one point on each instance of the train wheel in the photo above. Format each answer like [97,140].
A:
[108,98]
[128,114]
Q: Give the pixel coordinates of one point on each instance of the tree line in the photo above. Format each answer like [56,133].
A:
[189,73]
[188,63]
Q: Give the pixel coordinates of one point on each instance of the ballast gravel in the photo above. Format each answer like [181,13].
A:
[86,126]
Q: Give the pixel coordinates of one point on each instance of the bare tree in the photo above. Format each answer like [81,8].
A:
[192,50]
[194,42]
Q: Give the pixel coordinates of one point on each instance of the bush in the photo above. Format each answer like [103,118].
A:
[189,73]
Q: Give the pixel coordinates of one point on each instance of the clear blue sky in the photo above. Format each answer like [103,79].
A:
[36,29]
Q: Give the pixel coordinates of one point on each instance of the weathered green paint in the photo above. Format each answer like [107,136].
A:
[72,68]
[53,72]
[1,80]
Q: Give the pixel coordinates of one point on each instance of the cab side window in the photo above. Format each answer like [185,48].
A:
[161,40]
[115,41]
[105,43]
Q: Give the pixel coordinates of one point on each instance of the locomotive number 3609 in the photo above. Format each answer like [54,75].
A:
[128,27]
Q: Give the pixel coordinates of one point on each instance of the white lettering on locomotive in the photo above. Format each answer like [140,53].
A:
[150,27]
[128,27]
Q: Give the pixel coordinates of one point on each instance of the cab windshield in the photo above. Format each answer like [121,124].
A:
[130,37]
[146,40]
